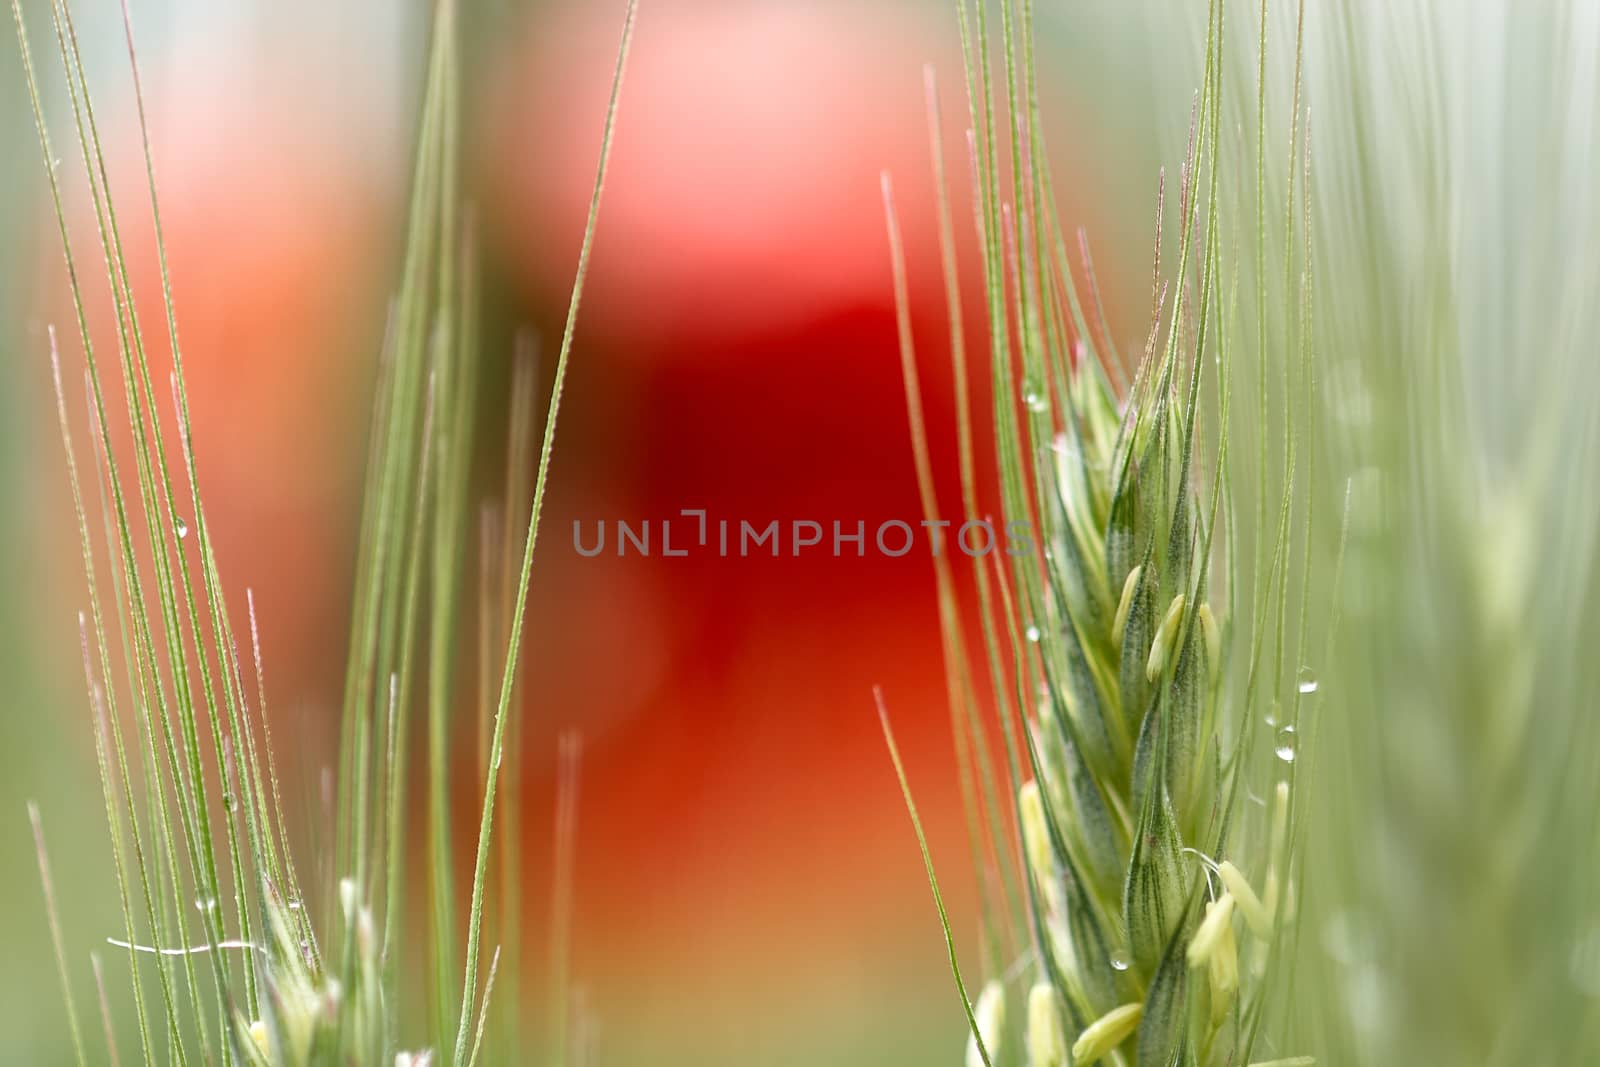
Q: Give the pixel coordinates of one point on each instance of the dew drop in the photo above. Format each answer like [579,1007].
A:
[1308,681]
[1271,717]
[1119,960]
[295,905]
[181,525]
[1033,634]
[1286,744]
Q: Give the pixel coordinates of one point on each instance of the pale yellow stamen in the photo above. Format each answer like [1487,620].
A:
[1036,843]
[1047,1045]
[1106,1033]
[1218,920]
[1120,623]
[1250,906]
[1213,640]
[1161,647]
[1224,974]
[1280,833]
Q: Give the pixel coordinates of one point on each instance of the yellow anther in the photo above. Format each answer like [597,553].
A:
[1106,1033]
[1161,647]
[1208,936]
[1047,1045]
[1120,623]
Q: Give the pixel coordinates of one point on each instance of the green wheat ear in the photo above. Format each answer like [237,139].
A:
[252,963]
[1152,896]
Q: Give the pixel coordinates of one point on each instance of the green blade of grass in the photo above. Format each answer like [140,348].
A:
[54,918]
[514,641]
[933,880]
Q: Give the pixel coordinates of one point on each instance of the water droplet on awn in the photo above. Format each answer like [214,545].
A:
[1286,744]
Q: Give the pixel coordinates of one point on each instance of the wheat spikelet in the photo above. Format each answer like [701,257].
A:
[1155,897]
